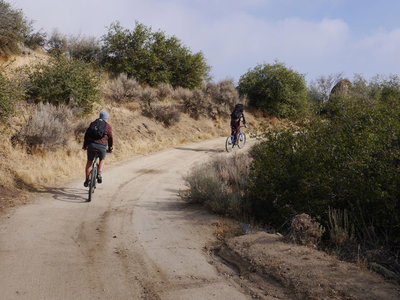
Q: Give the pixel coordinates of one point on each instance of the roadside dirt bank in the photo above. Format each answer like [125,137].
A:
[268,266]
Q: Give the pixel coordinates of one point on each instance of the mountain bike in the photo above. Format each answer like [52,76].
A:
[93,175]
[241,141]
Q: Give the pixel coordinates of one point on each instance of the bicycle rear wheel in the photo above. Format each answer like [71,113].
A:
[229,144]
[241,140]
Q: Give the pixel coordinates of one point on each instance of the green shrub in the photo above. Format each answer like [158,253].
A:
[348,162]
[276,89]
[13,28]
[151,57]
[11,91]
[64,81]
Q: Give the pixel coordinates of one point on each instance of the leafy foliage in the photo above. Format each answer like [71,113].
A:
[276,89]
[64,81]
[10,92]
[349,161]
[13,28]
[151,57]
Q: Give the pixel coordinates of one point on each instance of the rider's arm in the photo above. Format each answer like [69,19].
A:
[110,137]
[244,119]
[85,140]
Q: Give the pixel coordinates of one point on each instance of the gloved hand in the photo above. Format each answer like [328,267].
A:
[110,149]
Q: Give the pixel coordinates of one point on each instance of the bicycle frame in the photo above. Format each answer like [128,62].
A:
[93,175]
[233,134]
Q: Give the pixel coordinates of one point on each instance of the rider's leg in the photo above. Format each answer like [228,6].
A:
[88,168]
[236,136]
[101,165]
[237,129]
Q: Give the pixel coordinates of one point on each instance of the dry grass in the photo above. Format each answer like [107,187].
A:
[30,58]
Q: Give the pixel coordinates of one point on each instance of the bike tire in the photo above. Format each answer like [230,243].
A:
[92,181]
[241,140]
[229,144]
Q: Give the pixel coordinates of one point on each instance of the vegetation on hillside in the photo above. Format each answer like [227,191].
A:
[275,89]
[64,81]
[341,167]
[11,91]
[13,28]
[151,57]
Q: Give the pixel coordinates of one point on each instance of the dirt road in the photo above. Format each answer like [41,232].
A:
[135,240]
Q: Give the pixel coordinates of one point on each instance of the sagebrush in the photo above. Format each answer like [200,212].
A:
[48,128]
[221,185]
[123,89]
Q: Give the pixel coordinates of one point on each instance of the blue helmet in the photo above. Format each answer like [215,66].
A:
[104,115]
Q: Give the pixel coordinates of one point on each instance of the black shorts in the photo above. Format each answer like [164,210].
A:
[101,149]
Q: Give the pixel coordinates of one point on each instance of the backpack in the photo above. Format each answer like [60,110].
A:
[237,111]
[97,129]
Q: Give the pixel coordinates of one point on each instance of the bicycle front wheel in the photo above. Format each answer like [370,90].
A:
[229,144]
[241,140]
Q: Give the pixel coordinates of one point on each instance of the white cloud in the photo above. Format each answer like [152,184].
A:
[239,42]
[377,53]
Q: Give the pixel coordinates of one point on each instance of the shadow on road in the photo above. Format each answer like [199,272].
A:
[200,149]
[72,195]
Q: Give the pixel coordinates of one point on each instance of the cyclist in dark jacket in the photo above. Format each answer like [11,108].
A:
[235,125]
[99,145]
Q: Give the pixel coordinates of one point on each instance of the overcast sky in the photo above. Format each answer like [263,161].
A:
[313,37]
